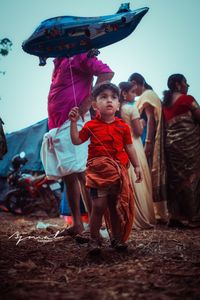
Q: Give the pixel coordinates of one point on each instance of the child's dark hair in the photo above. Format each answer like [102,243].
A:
[139,79]
[104,86]
[171,83]
[124,86]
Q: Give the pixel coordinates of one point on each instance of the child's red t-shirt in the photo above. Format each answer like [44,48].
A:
[107,139]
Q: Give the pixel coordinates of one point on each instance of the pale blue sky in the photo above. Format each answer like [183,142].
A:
[165,42]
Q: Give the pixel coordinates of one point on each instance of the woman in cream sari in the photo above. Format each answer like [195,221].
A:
[144,211]
[149,106]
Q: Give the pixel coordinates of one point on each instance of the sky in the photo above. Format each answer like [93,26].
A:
[166,41]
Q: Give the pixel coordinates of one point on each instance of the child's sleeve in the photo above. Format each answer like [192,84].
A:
[84,133]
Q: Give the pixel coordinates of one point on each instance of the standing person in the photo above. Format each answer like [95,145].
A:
[110,150]
[71,86]
[149,106]
[144,211]
[3,143]
[182,145]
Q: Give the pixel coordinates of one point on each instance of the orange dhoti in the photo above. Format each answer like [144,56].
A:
[102,172]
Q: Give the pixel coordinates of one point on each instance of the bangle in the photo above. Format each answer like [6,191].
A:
[148,141]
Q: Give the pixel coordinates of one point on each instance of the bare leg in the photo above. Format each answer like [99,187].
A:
[116,241]
[160,209]
[99,206]
[85,193]
[114,217]
[73,196]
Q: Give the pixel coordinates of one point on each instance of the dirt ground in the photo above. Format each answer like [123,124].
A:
[160,264]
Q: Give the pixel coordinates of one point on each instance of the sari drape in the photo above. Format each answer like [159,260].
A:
[183,166]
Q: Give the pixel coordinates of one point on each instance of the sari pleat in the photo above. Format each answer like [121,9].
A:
[183,166]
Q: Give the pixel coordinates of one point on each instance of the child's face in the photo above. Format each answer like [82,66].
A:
[130,95]
[107,102]
[138,89]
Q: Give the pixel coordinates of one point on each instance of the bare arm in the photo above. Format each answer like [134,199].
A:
[196,115]
[195,109]
[136,127]
[73,117]
[151,124]
[151,130]
[104,77]
[130,150]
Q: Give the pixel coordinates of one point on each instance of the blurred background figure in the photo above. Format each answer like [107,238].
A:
[71,85]
[182,145]
[149,106]
[144,212]
[3,143]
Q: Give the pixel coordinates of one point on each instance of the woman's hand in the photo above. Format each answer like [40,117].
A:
[148,149]
[74,114]
[138,174]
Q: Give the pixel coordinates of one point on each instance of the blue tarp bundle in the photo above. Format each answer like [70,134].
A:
[28,140]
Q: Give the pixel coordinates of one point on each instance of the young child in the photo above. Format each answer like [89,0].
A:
[110,151]
[144,212]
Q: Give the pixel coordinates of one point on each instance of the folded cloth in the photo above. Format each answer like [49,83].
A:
[104,171]
[59,156]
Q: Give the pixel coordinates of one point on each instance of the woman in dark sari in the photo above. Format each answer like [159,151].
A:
[182,146]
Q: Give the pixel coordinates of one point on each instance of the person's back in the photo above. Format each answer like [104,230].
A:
[182,147]
[71,85]
[151,98]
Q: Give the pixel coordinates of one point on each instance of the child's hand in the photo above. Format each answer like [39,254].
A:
[74,114]
[138,174]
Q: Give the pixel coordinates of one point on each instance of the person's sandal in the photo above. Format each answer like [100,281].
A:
[118,245]
[67,232]
[83,237]
[94,247]
[173,223]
